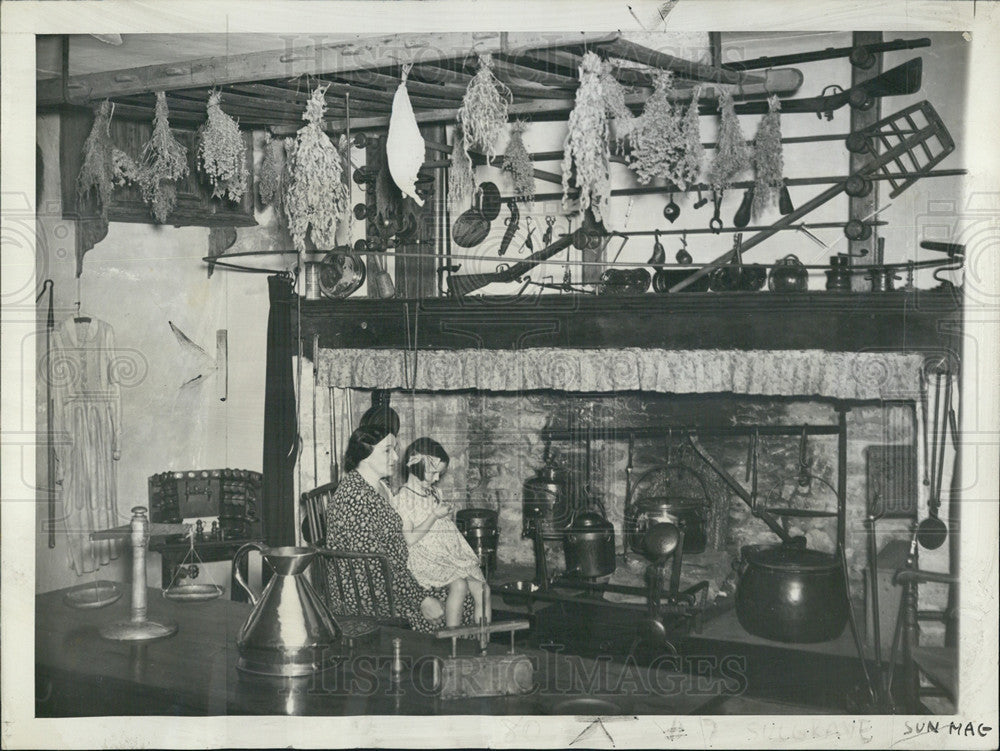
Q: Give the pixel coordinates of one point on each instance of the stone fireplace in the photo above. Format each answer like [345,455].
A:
[496,440]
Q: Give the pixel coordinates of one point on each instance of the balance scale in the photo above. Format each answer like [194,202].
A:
[139,627]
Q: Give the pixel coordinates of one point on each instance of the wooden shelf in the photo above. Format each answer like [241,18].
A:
[919,321]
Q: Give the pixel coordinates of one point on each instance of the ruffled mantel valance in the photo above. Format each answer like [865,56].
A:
[857,376]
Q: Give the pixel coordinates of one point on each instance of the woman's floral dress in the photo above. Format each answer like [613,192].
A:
[360,518]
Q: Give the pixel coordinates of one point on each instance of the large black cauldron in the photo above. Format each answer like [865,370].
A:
[790,594]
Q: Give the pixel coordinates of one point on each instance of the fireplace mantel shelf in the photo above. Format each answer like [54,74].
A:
[927,321]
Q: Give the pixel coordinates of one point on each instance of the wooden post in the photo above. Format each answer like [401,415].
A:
[862,206]
[415,277]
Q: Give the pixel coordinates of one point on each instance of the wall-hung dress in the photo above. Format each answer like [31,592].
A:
[86,404]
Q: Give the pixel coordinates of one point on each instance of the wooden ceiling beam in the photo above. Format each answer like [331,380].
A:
[369,53]
[683,68]
[390,83]
[448,76]
[568,62]
[518,74]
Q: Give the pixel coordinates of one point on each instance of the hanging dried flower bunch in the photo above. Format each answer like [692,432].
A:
[586,144]
[269,175]
[97,173]
[315,197]
[461,179]
[221,152]
[732,156]
[768,161]
[125,170]
[163,162]
[688,167]
[518,162]
[658,141]
[625,122]
[483,113]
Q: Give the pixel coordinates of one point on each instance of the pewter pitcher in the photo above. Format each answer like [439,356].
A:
[290,631]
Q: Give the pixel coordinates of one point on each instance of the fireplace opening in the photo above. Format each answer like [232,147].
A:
[626,449]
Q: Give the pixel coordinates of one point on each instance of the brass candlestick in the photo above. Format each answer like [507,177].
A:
[139,627]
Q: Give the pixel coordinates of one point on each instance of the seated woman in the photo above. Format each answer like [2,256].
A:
[360,518]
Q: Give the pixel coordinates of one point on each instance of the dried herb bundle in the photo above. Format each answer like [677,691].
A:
[316,197]
[270,173]
[518,162]
[461,180]
[483,113]
[97,173]
[658,140]
[687,168]
[732,156]
[221,152]
[125,170]
[586,144]
[625,122]
[163,162]
[768,160]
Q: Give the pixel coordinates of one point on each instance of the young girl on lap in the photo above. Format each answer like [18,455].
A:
[438,554]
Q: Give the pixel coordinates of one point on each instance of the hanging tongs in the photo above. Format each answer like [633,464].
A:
[751,476]
[804,474]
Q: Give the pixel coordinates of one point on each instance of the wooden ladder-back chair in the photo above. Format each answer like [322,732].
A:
[938,664]
[343,577]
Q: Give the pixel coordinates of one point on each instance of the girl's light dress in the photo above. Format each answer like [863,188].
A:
[442,555]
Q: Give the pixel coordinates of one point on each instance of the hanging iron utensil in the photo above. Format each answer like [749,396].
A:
[659,256]
[671,211]
[874,514]
[701,199]
[547,236]
[527,240]
[470,229]
[742,217]
[785,205]
[512,223]
[932,532]
[683,256]
[727,278]
[926,430]
[488,201]
[715,224]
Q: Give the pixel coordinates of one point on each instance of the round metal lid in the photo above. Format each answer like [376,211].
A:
[790,558]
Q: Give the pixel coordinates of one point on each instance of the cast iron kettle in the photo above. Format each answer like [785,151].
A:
[788,593]
[589,545]
[789,275]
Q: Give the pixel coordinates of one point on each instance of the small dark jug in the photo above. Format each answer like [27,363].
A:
[789,275]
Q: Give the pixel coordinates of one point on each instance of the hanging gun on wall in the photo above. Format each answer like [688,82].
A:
[862,55]
[463,284]
[903,79]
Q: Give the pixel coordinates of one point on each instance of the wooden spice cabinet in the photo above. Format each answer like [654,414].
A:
[195,205]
